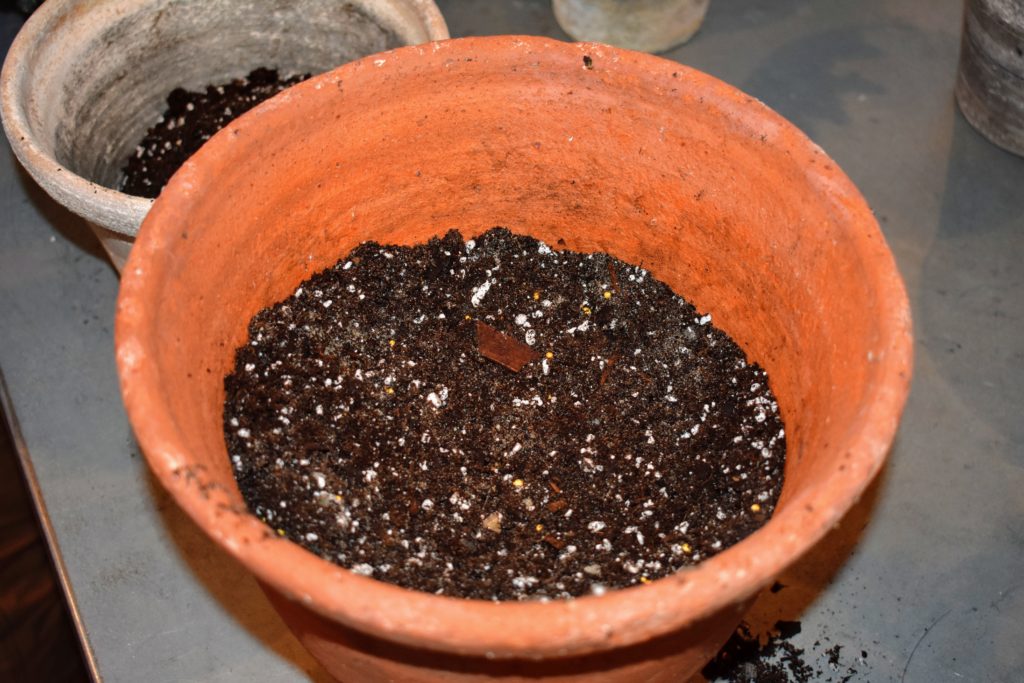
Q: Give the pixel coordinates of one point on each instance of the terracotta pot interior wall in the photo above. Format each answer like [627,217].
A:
[744,229]
[93,107]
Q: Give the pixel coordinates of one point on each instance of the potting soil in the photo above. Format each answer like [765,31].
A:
[191,119]
[772,657]
[501,420]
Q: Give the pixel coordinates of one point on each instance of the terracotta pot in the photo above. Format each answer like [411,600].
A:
[85,79]
[603,148]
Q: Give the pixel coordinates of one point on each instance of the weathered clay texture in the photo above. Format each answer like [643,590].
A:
[602,148]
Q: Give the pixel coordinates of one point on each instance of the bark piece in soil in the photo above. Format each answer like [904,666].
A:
[503,349]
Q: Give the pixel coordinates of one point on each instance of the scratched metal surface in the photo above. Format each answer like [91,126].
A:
[924,575]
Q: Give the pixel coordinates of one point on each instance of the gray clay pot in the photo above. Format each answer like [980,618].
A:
[647,25]
[85,79]
[990,80]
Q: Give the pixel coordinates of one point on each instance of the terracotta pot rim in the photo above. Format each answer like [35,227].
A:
[114,210]
[532,629]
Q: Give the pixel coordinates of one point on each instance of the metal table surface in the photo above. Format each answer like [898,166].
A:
[924,575]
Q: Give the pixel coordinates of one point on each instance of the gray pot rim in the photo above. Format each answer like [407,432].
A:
[109,208]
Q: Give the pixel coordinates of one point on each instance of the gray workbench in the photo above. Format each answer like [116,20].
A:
[925,575]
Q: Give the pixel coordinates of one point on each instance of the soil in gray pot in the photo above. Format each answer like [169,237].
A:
[191,119]
[501,420]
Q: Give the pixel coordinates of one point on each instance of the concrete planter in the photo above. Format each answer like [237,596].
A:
[83,81]
[990,79]
[648,25]
[577,144]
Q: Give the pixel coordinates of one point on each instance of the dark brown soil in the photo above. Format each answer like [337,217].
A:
[744,659]
[494,419]
[772,658]
[190,120]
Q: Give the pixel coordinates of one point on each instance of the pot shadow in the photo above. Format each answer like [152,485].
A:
[813,573]
[969,308]
[810,80]
[71,227]
[725,19]
[228,583]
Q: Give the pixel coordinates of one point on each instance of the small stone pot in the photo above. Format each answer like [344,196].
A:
[84,80]
[593,147]
[990,79]
[648,25]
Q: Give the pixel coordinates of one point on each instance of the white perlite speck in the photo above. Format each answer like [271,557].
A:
[522,582]
[438,398]
[363,569]
[596,526]
[480,292]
